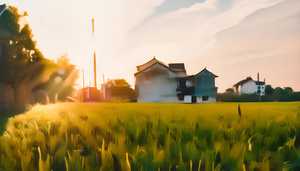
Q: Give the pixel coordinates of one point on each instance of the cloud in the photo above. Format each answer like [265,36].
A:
[208,4]
[195,29]
[217,38]
[265,41]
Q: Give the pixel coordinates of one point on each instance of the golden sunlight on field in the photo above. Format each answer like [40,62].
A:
[132,136]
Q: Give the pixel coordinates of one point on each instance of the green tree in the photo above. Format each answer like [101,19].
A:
[22,38]
[121,88]
[288,90]
[229,90]
[118,82]
[269,90]
[28,69]
[278,93]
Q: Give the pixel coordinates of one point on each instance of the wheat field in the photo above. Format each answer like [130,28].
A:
[149,136]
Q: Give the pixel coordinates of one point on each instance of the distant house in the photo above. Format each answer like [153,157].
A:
[157,82]
[249,86]
[89,94]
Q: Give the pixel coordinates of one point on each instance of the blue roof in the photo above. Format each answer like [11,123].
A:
[259,83]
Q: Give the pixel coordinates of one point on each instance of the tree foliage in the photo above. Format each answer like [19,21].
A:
[229,90]
[269,89]
[26,68]
[120,89]
[118,82]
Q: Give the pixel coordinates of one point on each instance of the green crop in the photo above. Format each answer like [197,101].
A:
[132,136]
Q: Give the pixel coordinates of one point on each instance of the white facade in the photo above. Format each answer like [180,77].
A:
[249,87]
[156,84]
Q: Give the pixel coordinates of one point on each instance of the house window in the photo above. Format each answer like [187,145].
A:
[204,98]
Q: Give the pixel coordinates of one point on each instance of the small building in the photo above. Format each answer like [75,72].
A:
[158,82]
[249,86]
[89,94]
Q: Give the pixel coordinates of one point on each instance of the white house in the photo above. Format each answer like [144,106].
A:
[157,82]
[249,86]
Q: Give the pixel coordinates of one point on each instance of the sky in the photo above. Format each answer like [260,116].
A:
[233,39]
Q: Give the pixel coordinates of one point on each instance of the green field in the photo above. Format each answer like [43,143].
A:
[3,121]
[132,136]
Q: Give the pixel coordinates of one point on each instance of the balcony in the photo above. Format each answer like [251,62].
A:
[185,91]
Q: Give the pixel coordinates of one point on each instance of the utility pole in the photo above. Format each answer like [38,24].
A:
[95,75]
[82,78]
[103,88]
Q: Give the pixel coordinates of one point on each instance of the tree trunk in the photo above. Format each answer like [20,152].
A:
[23,96]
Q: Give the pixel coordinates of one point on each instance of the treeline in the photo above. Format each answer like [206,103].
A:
[277,94]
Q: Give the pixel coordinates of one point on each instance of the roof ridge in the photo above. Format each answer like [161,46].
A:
[243,81]
[151,61]
[153,65]
[207,71]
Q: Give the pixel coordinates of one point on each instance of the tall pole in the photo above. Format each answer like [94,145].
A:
[82,78]
[95,75]
[103,88]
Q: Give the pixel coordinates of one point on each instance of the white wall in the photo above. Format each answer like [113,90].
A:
[249,87]
[209,100]
[187,99]
[155,85]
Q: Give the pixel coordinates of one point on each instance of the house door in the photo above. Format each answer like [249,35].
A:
[194,99]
